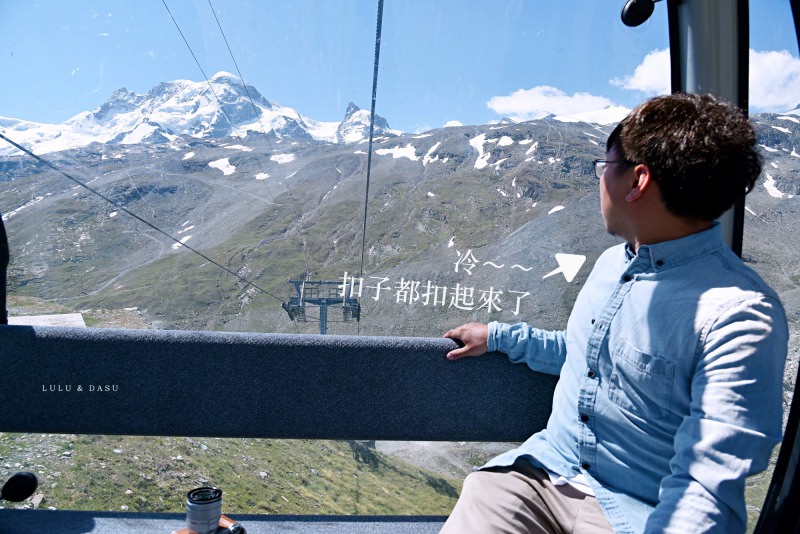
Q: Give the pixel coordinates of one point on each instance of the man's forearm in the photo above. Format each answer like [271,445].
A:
[541,350]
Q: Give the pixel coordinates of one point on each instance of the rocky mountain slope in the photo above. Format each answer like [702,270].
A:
[502,198]
[196,202]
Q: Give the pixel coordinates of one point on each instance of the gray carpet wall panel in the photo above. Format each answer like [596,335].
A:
[79,522]
[213,384]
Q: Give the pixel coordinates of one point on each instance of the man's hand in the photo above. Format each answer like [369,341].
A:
[473,338]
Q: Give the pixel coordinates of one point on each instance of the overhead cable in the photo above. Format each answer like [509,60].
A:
[137,217]
[258,115]
[247,90]
[221,108]
[378,27]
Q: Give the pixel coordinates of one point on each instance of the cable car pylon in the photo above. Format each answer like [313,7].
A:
[324,294]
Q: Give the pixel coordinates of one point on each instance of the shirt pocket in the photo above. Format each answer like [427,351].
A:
[641,383]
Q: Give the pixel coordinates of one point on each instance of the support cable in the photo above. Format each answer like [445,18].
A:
[252,104]
[295,202]
[221,108]
[137,217]
[247,90]
[371,128]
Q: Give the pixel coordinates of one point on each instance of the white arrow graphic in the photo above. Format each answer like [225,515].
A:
[569,264]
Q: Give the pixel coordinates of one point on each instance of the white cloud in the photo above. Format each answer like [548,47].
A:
[538,102]
[651,76]
[449,124]
[774,79]
[774,86]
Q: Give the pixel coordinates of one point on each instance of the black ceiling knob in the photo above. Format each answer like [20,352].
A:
[636,12]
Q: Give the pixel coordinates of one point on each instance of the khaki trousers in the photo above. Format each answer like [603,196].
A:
[522,499]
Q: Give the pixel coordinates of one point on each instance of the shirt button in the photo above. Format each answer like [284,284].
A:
[627,278]
[592,321]
[584,418]
[585,466]
[660,263]
[591,373]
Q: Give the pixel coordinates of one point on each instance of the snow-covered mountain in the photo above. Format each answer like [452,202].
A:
[356,123]
[223,107]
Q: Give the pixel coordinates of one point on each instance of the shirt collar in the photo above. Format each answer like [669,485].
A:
[667,254]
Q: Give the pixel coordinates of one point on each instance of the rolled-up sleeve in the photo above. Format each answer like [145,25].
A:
[541,350]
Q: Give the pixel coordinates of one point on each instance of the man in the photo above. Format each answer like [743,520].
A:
[671,365]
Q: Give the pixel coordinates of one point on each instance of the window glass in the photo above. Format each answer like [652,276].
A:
[204,166]
[770,245]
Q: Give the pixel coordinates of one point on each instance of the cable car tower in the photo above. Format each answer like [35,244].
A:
[321,293]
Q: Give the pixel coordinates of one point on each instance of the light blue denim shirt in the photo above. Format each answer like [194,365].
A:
[670,389]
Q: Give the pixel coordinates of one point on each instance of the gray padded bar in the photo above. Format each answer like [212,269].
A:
[73,522]
[214,384]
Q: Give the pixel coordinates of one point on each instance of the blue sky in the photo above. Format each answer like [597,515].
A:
[469,61]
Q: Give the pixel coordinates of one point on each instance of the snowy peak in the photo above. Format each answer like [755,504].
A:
[354,128]
[351,109]
[226,77]
[219,107]
[120,101]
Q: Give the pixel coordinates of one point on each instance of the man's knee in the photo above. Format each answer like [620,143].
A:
[474,511]
[480,483]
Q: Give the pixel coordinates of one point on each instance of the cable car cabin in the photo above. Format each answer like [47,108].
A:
[171,219]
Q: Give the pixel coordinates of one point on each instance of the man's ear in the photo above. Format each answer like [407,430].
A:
[641,183]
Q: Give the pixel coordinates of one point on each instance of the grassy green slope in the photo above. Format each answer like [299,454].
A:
[153,474]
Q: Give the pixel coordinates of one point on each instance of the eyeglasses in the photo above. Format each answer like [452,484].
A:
[601,164]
